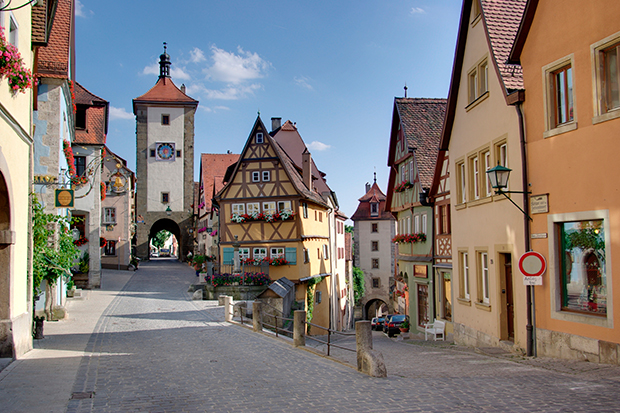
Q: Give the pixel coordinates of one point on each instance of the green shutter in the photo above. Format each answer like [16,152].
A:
[228,256]
[291,255]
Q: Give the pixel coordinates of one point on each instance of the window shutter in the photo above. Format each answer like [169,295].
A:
[291,255]
[228,256]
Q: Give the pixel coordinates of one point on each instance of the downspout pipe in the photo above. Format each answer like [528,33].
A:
[530,329]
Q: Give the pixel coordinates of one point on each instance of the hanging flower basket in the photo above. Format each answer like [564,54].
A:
[80,241]
[103,190]
[12,66]
[102,242]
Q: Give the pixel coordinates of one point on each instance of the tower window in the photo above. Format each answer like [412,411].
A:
[259,138]
[152,153]
[165,197]
[165,119]
[178,154]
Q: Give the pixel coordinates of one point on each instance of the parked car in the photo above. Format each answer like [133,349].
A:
[392,323]
[377,323]
[164,252]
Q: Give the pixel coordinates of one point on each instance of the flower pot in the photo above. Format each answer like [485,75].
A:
[38,327]
[404,330]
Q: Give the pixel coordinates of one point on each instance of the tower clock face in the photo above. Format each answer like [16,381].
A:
[165,151]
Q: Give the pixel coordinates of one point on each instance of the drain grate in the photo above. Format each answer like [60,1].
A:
[82,395]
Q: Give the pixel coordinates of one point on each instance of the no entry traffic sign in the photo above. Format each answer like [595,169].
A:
[532,265]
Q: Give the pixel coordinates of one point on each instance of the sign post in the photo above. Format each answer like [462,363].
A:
[532,265]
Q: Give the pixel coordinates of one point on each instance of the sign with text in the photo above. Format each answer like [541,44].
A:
[63,198]
[532,265]
[539,204]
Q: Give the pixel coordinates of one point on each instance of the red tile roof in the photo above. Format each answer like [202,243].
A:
[362,212]
[212,170]
[422,121]
[53,59]
[96,117]
[165,92]
[502,19]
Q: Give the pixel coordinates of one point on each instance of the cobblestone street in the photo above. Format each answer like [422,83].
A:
[153,349]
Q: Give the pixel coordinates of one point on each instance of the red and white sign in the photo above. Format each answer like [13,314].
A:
[532,265]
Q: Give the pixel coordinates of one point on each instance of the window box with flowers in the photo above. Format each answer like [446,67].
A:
[12,66]
[283,215]
[80,241]
[276,262]
[410,238]
[403,186]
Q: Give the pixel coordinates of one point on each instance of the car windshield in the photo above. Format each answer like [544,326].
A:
[398,318]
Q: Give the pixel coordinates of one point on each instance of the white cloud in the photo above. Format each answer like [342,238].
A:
[151,70]
[232,92]
[120,113]
[236,68]
[197,55]
[79,10]
[417,10]
[318,146]
[303,82]
[214,108]
[175,72]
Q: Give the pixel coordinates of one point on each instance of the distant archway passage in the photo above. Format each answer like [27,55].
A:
[168,225]
[6,338]
[372,307]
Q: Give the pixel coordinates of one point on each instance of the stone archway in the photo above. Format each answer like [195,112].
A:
[6,239]
[168,225]
[371,307]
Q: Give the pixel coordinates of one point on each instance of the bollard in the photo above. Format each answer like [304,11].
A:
[228,308]
[257,316]
[369,361]
[299,328]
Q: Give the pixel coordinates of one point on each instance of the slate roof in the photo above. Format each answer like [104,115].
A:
[213,169]
[422,122]
[362,212]
[96,117]
[501,20]
[53,59]
[282,286]
[165,92]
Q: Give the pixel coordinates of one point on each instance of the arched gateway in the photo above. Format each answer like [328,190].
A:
[164,162]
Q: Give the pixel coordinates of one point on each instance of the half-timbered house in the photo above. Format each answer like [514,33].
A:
[416,130]
[271,208]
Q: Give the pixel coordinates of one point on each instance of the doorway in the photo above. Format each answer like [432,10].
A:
[508,316]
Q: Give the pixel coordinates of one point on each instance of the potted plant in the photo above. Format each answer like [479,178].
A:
[404,326]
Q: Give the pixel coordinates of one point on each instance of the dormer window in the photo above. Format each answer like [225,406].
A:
[374,209]
[80,117]
[259,137]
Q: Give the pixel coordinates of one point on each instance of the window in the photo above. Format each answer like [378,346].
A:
[483,278]
[444,219]
[152,153]
[109,215]
[605,71]
[374,209]
[487,165]
[318,296]
[583,274]
[80,117]
[374,245]
[165,197]
[256,176]
[325,251]
[266,176]
[165,119]
[253,207]
[478,84]
[376,283]
[258,253]
[284,205]
[305,209]
[79,223]
[259,137]
[178,154]
[375,263]
[13,31]
[411,171]
[269,207]
[560,114]
[407,227]
[238,209]
[110,248]
[306,255]
[464,276]
[424,223]
[80,165]
[502,154]
[475,177]
[462,183]
[320,216]
[244,254]
[276,252]
[374,227]
[416,224]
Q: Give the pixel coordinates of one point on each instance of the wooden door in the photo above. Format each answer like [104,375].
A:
[510,324]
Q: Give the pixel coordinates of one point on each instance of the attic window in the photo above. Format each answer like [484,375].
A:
[259,138]
[165,119]
[374,209]
[80,117]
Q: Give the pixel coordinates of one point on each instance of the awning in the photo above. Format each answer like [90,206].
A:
[327,274]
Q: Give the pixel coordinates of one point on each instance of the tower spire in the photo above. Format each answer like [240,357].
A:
[164,64]
[405,89]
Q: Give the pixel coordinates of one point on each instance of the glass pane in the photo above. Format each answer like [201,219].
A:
[584,278]
[569,84]
[560,97]
[611,78]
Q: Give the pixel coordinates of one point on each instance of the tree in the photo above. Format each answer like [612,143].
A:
[53,251]
[348,228]
[358,285]
[160,238]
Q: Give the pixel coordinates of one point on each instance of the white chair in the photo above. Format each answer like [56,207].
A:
[437,328]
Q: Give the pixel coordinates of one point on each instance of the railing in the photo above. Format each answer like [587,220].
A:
[329,335]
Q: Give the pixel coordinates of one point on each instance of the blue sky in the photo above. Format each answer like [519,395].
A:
[333,67]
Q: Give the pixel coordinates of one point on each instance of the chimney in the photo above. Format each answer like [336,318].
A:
[183,88]
[367,187]
[275,123]
[307,168]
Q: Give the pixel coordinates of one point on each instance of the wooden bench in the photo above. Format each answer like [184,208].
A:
[437,328]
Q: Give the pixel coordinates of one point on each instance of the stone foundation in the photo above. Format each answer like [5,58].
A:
[572,347]
[467,336]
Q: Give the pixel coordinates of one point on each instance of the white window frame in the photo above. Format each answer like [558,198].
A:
[551,129]
[13,31]
[277,252]
[475,169]
[484,277]
[374,209]
[255,176]
[259,138]
[258,253]
[465,270]
[325,251]
[463,182]
[269,207]
[487,180]
[416,223]
[244,253]
[424,223]
[284,205]
[411,171]
[238,209]
[601,112]
[266,176]
[109,215]
[253,207]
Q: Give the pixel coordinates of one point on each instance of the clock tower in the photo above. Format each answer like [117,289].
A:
[164,162]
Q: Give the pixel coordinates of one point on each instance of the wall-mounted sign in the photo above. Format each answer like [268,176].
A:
[541,235]
[539,204]
[420,271]
[63,198]
[45,179]
[532,265]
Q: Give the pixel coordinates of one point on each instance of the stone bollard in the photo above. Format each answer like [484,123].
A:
[369,361]
[257,316]
[220,300]
[228,308]
[299,328]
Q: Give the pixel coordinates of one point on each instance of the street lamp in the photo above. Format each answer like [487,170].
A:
[498,176]
[168,211]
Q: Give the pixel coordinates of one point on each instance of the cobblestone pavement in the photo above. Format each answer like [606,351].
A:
[155,350]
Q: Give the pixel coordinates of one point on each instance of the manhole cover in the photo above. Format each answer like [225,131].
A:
[83,395]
